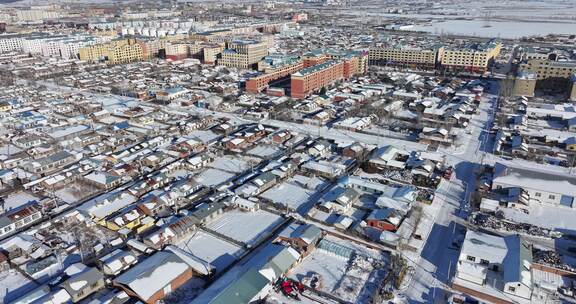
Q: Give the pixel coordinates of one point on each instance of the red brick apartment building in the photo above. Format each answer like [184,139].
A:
[308,80]
[260,82]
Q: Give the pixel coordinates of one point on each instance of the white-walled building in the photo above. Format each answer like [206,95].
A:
[10,42]
[492,266]
[537,186]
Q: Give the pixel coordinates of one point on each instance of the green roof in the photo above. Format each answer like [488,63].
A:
[243,290]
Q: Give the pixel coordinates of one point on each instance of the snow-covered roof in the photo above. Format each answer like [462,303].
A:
[484,246]
[545,181]
[197,264]
[153,274]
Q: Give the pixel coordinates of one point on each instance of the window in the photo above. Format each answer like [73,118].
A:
[538,194]
[551,196]
[511,289]
[471,258]
[484,262]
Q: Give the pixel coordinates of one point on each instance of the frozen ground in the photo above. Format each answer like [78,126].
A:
[341,277]
[330,269]
[185,293]
[257,258]
[246,227]
[14,285]
[213,177]
[211,249]
[501,29]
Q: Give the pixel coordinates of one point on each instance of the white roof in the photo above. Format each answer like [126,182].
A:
[196,263]
[484,246]
[545,181]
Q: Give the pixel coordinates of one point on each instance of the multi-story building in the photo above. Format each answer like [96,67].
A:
[547,69]
[11,42]
[405,56]
[243,54]
[274,68]
[572,88]
[217,36]
[151,47]
[30,15]
[524,84]
[474,57]
[114,52]
[211,52]
[308,80]
[495,269]
[177,51]
[360,64]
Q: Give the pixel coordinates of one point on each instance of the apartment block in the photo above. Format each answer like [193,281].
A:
[35,15]
[177,51]
[525,84]
[550,69]
[405,56]
[309,80]
[319,56]
[243,54]
[474,57]
[114,52]
[572,88]
[274,68]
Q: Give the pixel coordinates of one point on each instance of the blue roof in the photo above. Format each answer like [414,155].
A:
[122,125]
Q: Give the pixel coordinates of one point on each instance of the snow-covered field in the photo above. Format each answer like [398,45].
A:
[213,177]
[211,249]
[246,227]
[14,285]
[330,269]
